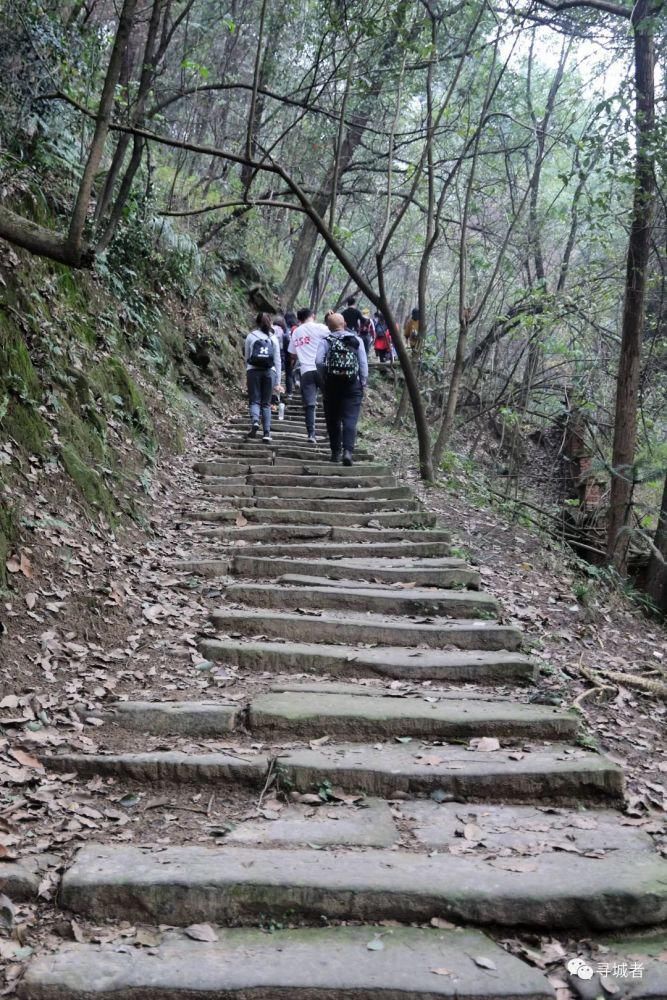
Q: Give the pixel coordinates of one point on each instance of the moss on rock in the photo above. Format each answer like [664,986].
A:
[8,533]
[20,391]
[88,481]
[113,380]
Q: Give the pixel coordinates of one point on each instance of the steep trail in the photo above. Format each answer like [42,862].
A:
[454,811]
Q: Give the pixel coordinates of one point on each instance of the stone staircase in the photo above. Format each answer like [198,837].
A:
[451,799]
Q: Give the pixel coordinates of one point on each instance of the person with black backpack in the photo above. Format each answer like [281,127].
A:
[343,369]
[263,372]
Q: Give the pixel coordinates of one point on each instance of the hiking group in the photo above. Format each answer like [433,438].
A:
[331,357]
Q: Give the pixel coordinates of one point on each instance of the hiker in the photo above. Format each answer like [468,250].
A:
[411,330]
[283,332]
[382,342]
[304,342]
[343,369]
[352,315]
[367,329]
[263,372]
[291,323]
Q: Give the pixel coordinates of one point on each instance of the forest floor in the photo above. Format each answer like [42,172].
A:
[92,617]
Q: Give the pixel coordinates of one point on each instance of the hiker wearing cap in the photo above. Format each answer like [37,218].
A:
[343,370]
[304,342]
[263,372]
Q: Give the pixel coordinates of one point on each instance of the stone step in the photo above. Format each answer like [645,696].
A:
[294,515]
[171,766]
[368,716]
[309,492]
[327,963]
[374,630]
[269,532]
[384,661]
[284,532]
[307,453]
[385,519]
[555,775]
[433,572]
[331,553]
[220,486]
[351,579]
[185,718]
[277,479]
[334,551]
[342,505]
[186,885]
[437,601]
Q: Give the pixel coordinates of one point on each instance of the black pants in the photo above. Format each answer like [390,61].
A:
[260,390]
[309,381]
[341,411]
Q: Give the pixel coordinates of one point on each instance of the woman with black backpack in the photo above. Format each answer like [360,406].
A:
[263,372]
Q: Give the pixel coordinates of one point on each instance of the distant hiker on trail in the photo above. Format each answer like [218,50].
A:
[263,372]
[283,333]
[343,368]
[382,341]
[291,322]
[304,342]
[411,330]
[352,315]
[367,329]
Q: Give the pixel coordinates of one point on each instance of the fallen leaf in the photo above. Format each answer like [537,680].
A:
[25,566]
[26,760]
[514,864]
[13,564]
[201,932]
[442,972]
[472,832]
[442,924]
[484,963]
[30,599]
[241,521]
[375,945]
[485,744]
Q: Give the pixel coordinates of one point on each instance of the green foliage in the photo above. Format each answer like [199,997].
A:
[8,533]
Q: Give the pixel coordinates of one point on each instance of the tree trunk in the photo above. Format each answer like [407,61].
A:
[103,118]
[627,385]
[656,576]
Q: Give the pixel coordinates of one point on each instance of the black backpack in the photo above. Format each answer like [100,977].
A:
[261,353]
[342,363]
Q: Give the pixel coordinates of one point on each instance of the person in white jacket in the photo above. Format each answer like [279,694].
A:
[263,372]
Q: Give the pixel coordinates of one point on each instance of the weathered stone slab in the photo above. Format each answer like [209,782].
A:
[202,567]
[527,829]
[170,765]
[364,506]
[378,600]
[385,519]
[385,661]
[432,572]
[327,964]
[557,774]
[270,532]
[182,717]
[369,824]
[18,880]
[363,688]
[334,492]
[369,717]
[273,533]
[277,479]
[184,885]
[220,486]
[351,578]
[344,550]
[373,629]
[633,968]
